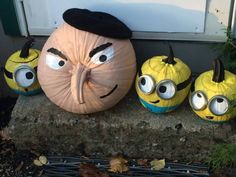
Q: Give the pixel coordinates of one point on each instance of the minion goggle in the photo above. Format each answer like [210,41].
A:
[24,75]
[165,89]
[218,105]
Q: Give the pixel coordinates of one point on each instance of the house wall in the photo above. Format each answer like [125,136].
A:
[197,55]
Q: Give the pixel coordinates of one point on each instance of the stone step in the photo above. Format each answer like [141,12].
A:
[127,128]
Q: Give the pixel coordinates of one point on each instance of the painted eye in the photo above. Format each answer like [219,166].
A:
[54,62]
[198,100]
[103,56]
[24,76]
[166,89]
[146,84]
[219,105]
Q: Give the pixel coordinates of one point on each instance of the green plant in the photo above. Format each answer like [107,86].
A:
[222,156]
[227,51]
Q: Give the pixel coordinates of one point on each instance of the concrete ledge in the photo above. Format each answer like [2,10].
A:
[127,128]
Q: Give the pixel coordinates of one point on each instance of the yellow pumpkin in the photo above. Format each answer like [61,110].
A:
[163,83]
[213,95]
[20,70]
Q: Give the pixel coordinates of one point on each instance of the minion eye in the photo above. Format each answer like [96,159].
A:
[55,62]
[146,84]
[198,100]
[166,89]
[219,105]
[24,76]
[103,56]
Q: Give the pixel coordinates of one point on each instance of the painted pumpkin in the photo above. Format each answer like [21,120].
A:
[20,70]
[88,64]
[213,95]
[163,83]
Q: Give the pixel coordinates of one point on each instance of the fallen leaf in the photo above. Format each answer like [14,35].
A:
[91,170]
[158,164]
[4,135]
[118,165]
[37,163]
[43,160]
[19,167]
[142,162]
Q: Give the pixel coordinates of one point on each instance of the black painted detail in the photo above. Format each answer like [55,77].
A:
[25,50]
[99,48]
[219,71]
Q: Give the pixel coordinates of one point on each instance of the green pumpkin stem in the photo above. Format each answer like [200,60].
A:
[170,59]
[219,71]
[25,50]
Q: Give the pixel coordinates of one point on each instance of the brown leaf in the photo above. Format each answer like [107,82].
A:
[142,162]
[91,170]
[4,135]
[118,165]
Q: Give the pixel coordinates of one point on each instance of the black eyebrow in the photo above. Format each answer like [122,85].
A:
[57,52]
[184,84]
[99,48]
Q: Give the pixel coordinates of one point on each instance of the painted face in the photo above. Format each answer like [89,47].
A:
[20,71]
[213,98]
[83,72]
[162,85]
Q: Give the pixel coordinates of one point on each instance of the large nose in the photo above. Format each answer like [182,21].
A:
[80,75]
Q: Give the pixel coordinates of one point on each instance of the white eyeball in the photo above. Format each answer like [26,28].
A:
[103,56]
[146,84]
[198,100]
[166,89]
[55,62]
[219,105]
[24,76]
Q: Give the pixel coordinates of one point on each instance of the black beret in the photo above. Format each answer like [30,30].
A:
[99,23]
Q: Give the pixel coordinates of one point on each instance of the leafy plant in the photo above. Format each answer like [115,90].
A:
[222,156]
[227,51]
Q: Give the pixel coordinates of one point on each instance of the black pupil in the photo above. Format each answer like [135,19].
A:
[61,63]
[219,100]
[199,95]
[162,89]
[29,75]
[102,58]
[143,81]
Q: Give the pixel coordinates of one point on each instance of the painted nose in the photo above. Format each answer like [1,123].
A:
[80,75]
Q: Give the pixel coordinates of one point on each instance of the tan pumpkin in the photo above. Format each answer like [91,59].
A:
[88,64]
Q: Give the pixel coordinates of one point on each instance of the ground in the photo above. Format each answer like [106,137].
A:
[19,163]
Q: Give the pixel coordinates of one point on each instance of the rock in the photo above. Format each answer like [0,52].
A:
[127,128]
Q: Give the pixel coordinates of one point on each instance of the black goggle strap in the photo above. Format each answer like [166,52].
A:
[184,84]
[233,103]
[10,74]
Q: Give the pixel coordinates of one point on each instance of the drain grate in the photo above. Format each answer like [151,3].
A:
[69,167]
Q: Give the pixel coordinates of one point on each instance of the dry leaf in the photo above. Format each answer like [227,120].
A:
[43,160]
[91,170]
[142,162]
[118,165]
[4,135]
[158,164]
[37,163]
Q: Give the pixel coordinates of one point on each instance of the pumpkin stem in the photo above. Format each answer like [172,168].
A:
[219,71]
[170,59]
[25,50]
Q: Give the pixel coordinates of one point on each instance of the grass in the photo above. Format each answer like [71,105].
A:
[223,156]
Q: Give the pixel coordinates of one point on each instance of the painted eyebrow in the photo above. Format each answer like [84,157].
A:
[99,48]
[57,52]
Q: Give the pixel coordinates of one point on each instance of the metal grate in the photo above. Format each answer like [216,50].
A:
[69,167]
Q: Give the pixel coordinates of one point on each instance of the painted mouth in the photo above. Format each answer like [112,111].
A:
[109,93]
[154,102]
[209,117]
